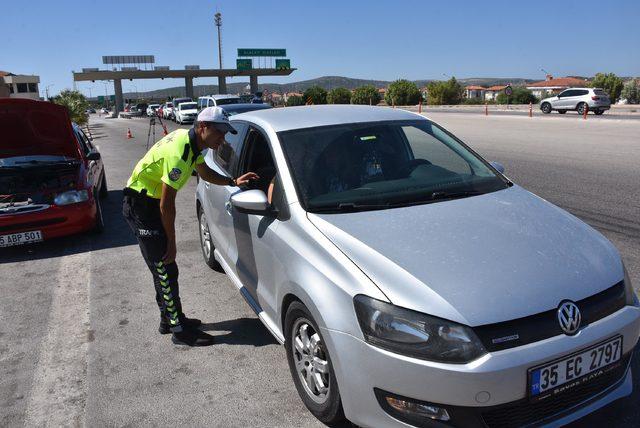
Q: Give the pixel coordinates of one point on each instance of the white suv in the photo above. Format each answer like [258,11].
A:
[217,100]
[577,99]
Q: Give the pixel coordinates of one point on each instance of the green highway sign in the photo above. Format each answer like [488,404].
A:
[244,64]
[283,64]
[262,52]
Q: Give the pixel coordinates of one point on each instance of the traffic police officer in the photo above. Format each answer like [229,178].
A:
[149,208]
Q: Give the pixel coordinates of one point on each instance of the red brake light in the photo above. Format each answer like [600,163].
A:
[595,98]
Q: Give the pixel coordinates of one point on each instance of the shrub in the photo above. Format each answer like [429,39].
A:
[402,93]
[339,96]
[365,95]
[315,94]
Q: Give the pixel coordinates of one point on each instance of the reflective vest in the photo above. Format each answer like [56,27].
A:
[171,161]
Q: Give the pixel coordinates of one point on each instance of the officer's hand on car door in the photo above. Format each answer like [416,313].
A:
[245,178]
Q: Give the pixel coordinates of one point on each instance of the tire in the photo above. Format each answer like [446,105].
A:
[324,405]
[562,111]
[580,108]
[206,243]
[598,112]
[99,226]
[104,191]
[546,108]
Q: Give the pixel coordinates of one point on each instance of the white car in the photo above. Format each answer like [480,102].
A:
[167,111]
[186,112]
[217,100]
[151,110]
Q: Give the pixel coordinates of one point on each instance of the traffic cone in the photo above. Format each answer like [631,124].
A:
[129,136]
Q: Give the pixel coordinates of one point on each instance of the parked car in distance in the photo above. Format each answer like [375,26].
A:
[104,110]
[410,281]
[151,110]
[176,102]
[578,99]
[52,176]
[233,109]
[217,100]
[186,112]
[90,110]
[167,110]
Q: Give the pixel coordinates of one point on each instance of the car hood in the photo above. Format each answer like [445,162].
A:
[31,128]
[477,260]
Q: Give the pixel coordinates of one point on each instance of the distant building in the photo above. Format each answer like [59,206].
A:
[19,86]
[288,95]
[554,86]
[474,92]
[491,93]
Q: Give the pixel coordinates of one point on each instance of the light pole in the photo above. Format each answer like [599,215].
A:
[217,18]
[106,97]
[47,90]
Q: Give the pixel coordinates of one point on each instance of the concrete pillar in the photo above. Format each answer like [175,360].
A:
[253,84]
[222,85]
[188,86]
[117,88]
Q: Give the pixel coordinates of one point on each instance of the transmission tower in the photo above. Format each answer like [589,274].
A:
[217,18]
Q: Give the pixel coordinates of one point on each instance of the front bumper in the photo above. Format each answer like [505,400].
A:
[54,221]
[476,390]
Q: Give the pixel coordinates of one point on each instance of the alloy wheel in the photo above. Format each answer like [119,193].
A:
[310,360]
[205,236]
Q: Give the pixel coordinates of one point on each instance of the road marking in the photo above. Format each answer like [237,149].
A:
[58,393]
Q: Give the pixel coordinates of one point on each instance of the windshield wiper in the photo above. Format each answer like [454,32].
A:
[351,207]
[454,195]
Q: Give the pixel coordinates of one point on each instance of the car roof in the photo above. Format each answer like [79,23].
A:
[240,106]
[220,96]
[288,118]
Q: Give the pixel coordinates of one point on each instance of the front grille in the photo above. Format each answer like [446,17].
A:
[545,325]
[524,412]
[32,224]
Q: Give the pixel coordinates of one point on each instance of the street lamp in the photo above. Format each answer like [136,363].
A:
[47,90]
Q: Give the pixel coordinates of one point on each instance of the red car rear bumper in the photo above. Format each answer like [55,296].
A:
[54,221]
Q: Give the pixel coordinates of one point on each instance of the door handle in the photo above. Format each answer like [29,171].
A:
[227,207]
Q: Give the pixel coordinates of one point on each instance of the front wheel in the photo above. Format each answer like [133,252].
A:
[206,243]
[546,108]
[310,365]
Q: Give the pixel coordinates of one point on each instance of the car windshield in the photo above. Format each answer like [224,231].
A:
[223,101]
[383,164]
[188,106]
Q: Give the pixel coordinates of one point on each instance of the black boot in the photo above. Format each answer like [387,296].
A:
[192,337]
[165,327]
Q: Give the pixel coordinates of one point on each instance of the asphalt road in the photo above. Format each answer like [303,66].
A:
[79,341]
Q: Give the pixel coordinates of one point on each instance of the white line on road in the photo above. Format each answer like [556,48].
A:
[58,394]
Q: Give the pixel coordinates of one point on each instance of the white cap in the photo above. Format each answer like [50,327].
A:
[218,117]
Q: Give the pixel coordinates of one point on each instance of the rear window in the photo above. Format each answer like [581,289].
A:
[600,92]
[224,101]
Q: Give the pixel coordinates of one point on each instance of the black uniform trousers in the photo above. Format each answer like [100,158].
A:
[142,213]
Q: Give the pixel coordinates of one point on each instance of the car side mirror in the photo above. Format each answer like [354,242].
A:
[252,202]
[93,156]
[498,166]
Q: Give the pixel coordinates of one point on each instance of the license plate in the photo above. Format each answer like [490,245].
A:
[20,238]
[576,369]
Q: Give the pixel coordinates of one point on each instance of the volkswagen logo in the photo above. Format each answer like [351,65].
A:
[569,317]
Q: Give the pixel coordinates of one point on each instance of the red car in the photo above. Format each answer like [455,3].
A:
[51,176]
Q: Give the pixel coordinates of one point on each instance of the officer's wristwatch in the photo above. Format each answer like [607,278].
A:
[232,182]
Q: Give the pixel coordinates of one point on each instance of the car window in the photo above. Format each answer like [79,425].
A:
[581,92]
[256,157]
[210,103]
[382,164]
[228,153]
[83,141]
[600,92]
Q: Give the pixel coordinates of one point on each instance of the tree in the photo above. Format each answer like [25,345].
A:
[611,84]
[315,94]
[366,95]
[402,93]
[631,91]
[76,105]
[520,95]
[339,96]
[295,100]
[449,92]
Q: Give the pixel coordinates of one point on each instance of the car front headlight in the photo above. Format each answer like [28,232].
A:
[631,296]
[415,334]
[71,197]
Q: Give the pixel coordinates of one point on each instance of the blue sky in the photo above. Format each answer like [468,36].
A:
[362,39]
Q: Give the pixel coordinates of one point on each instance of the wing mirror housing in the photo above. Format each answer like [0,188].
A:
[252,202]
[93,156]
[498,166]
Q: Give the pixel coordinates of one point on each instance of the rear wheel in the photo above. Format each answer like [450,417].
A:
[206,243]
[562,111]
[598,112]
[581,108]
[546,108]
[310,365]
